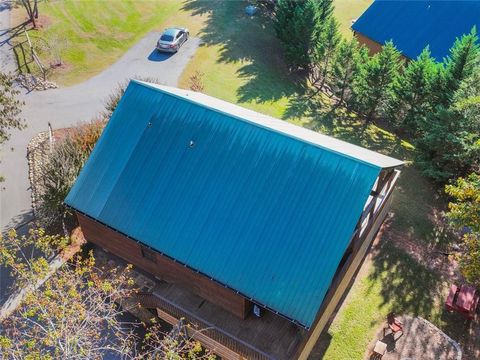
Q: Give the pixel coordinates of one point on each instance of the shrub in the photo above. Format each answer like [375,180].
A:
[112,100]
[59,173]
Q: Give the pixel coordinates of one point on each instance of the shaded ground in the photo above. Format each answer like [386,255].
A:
[420,340]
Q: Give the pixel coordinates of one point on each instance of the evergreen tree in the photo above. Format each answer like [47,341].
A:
[460,63]
[374,83]
[450,143]
[298,25]
[345,66]
[324,52]
[412,96]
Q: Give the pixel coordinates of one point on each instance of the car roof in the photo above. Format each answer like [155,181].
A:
[171,31]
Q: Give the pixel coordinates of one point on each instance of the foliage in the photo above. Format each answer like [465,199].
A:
[17,254]
[112,100]
[449,144]
[75,313]
[177,344]
[464,214]
[460,64]
[323,53]
[10,107]
[470,259]
[345,66]
[196,82]
[61,170]
[298,25]
[464,211]
[374,84]
[413,91]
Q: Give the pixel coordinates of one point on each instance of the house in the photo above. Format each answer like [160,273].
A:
[254,226]
[413,25]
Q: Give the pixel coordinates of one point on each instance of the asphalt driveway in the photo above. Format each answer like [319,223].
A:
[67,106]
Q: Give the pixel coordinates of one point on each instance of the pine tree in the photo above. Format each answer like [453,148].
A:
[460,63]
[298,25]
[374,83]
[412,96]
[324,52]
[449,143]
[449,146]
[345,66]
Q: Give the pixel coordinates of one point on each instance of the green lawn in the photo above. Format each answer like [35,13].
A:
[95,33]
[396,283]
[241,59]
[348,10]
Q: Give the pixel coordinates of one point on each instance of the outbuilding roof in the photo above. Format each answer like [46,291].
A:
[412,25]
[259,205]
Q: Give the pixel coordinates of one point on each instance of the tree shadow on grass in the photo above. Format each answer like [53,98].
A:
[251,41]
[407,286]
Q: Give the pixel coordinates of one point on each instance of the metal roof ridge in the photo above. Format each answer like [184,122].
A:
[328,143]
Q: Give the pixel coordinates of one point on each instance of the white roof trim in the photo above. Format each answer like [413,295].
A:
[326,142]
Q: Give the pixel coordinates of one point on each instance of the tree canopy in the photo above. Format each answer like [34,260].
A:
[10,107]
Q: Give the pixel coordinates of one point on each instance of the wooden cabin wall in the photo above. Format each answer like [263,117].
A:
[163,267]
[345,275]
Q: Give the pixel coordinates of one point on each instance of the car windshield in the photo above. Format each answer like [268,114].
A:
[166,37]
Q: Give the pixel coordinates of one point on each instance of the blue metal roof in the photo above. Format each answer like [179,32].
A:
[264,213]
[412,25]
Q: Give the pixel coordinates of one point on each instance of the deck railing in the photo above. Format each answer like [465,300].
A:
[219,341]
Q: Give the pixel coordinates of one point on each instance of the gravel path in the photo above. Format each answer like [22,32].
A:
[421,341]
[67,106]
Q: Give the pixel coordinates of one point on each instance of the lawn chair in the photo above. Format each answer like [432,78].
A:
[394,325]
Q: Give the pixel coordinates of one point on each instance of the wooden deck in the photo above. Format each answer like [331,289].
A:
[268,337]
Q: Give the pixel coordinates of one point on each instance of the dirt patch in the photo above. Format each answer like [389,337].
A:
[432,258]
[43,21]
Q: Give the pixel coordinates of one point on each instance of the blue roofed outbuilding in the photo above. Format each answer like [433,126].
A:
[413,25]
[262,206]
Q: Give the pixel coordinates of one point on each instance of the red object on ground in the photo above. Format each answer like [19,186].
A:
[450,302]
[463,299]
[394,325]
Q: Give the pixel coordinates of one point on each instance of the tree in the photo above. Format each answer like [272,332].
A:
[413,93]
[324,52]
[464,214]
[10,107]
[71,314]
[112,100]
[31,7]
[61,170]
[75,313]
[449,144]
[298,25]
[345,66]
[374,83]
[461,63]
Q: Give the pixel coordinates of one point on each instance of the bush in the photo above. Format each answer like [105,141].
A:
[112,100]
[60,172]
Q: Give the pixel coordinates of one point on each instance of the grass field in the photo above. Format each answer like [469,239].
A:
[95,33]
[348,10]
[242,62]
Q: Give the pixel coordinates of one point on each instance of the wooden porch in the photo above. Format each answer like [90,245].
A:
[268,337]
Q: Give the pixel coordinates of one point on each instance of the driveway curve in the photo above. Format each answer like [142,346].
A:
[64,107]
